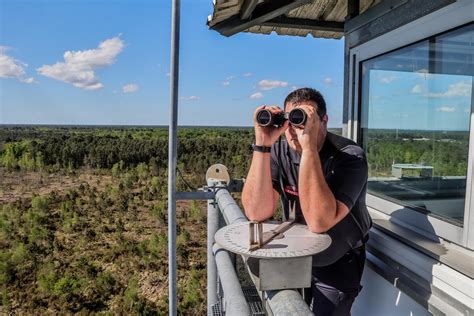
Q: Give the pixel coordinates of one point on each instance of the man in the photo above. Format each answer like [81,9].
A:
[324,176]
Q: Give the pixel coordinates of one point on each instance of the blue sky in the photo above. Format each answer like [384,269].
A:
[107,62]
[406,100]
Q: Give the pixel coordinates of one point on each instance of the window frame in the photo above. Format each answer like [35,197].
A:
[441,21]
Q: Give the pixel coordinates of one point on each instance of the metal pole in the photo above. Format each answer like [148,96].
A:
[235,303]
[172,153]
[212,227]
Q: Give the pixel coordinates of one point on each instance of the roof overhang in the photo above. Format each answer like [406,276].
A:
[320,18]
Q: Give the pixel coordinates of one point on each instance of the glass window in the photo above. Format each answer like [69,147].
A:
[415,118]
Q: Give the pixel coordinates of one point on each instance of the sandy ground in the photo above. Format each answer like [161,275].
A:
[20,184]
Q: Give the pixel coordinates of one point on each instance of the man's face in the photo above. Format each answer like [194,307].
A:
[290,133]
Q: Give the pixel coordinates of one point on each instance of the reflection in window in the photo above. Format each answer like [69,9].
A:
[415,116]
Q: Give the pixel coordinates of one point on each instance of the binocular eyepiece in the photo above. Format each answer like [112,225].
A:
[297,117]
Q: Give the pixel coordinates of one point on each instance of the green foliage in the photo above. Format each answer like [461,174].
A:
[39,161]
[130,296]
[106,283]
[158,245]
[70,218]
[20,254]
[129,178]
[20,155]
[47,279]
[142,171]
[120,149]
[6,268]
[195,212]
[40,204]
[12,152]
[9,221]
[447,153]
[158,211]
[66,287]
[192,294]
[5,302]
[27,162]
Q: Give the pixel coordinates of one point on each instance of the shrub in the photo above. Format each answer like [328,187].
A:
[66,287]
[47,279]
[194,211]
[130,296]
[192,296]
[106,283]
[158,211]
[6,268]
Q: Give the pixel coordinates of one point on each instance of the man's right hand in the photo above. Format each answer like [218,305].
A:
[267,136]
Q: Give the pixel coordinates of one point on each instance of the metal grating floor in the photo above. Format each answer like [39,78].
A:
[253,300]
[216,309]
[255,304]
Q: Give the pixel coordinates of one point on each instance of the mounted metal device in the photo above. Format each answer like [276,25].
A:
[279,255]
[218,172]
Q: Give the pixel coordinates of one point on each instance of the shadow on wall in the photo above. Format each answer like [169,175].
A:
[389,264]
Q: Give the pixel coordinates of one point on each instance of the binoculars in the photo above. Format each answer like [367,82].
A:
[297,117]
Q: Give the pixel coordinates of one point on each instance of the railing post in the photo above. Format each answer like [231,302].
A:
[212,227]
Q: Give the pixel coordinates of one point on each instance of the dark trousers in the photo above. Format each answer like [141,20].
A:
[335,287]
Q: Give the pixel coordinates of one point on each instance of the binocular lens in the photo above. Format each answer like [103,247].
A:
[297,117]
[264,117]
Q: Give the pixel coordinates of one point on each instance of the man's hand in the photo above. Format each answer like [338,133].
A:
[267,136]
[309,134]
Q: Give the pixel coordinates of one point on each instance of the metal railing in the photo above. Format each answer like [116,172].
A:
[221,271]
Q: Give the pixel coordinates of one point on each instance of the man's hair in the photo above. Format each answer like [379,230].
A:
[308,94]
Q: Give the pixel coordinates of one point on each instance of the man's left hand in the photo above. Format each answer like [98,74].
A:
[308,135]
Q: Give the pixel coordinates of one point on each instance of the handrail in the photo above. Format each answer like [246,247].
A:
[236,305]
[284,302]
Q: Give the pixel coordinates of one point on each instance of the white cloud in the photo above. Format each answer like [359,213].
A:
[3,49]
[328,81]
[416,89]
[190,98]
[446,109]
[247,74]
[12,68]
[458,89]
[256,95]
[28,80]
[271,84]
[388,79]
[129,88]
[424,74]
[79,67]
[227,80]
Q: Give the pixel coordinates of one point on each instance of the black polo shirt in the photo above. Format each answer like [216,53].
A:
[345,170]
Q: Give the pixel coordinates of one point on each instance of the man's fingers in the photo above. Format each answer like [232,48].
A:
[274,109]
[285,125]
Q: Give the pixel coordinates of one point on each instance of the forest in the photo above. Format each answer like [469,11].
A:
[83,211]
[83,217]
